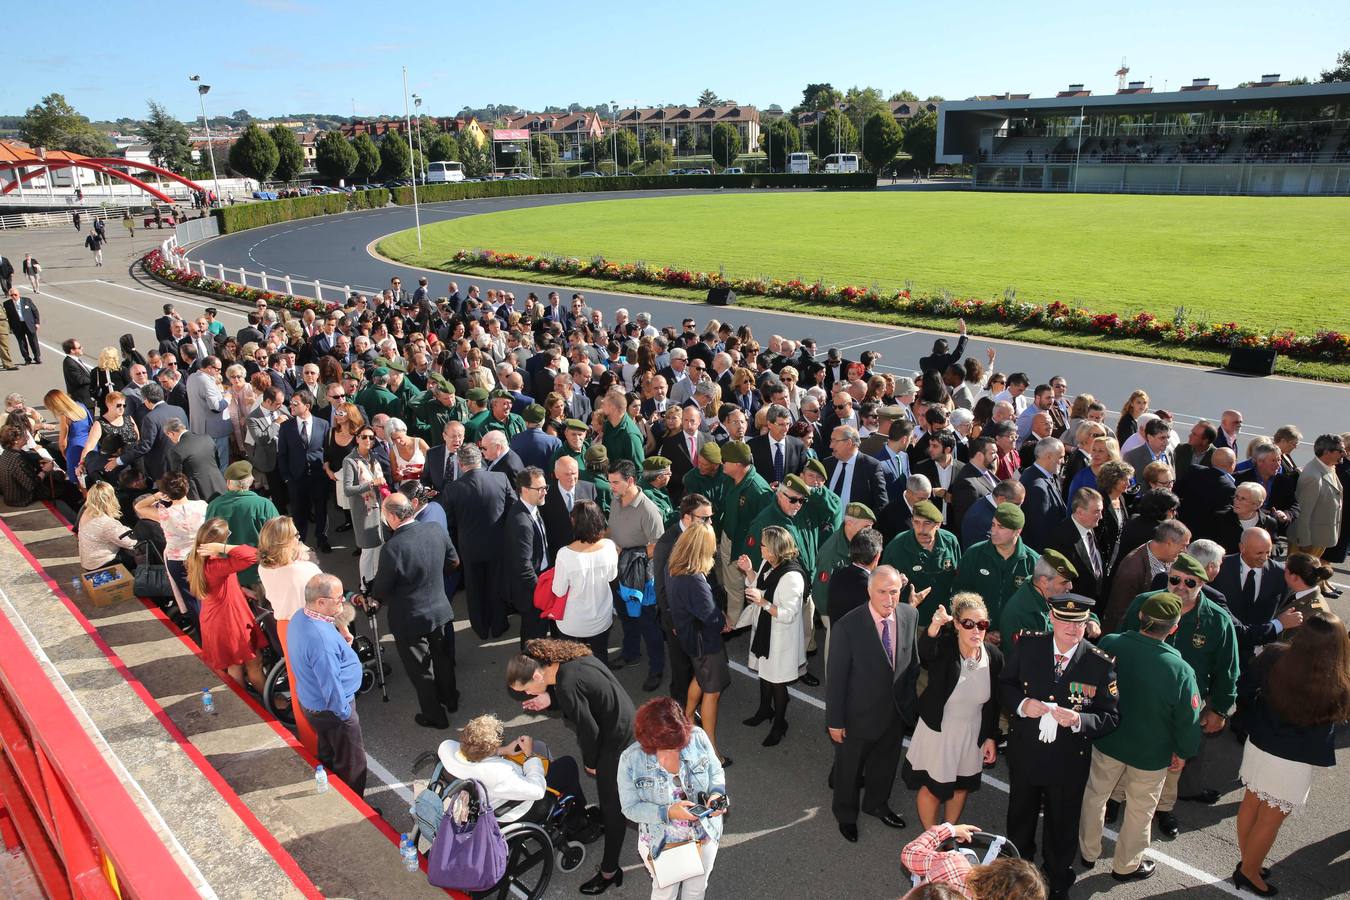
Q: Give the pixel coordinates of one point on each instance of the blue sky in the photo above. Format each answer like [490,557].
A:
[275,57]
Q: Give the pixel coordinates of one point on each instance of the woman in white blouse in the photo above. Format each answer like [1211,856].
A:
[777,645]
[582,573]
[104,538]
[180,518]
[284,567]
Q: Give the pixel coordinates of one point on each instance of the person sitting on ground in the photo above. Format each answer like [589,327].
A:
[103,538]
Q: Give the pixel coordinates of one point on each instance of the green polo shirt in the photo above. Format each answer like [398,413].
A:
[714,487]
[427,417]
[604,494]
[741,503]
[1159,703]
[246,513]
[1207,640]
[564,450]
[935,569]
[407,391]
[624,441]
[985,571]
[805,527]
[511,426]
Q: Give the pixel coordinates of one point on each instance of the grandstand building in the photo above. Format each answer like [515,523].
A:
[1269,137]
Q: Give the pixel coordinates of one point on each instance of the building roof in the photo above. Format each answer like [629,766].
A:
[1133,101]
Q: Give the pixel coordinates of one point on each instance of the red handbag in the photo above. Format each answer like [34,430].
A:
[550,606]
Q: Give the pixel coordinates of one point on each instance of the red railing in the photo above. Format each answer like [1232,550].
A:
[62,802]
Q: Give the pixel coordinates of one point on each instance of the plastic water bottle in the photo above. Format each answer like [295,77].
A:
[208,702]
[408,850]
[320,779]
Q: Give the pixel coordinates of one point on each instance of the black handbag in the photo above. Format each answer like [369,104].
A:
[152,578]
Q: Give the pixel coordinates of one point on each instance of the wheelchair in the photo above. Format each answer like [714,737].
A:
[535,843]
[276,694]
[983,848]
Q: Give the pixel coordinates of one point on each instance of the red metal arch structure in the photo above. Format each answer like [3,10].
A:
[30,164]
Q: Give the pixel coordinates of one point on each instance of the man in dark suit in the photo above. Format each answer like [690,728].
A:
[475,503]
[848,583]
[411,582]
[499,456]
[78,373]
[939,360]
[24,320]
[975,481]
[695,510]
[943,470]
[776,453]
[836,368]
[1074,538]
[1063,668]
[195,456]
[854,477]
[567,488]
[1206,490]
[1228,525]
[300,463]
[975,525]
[164,324]
[175,388]
[150,449]
[524,551]
[870,698]
[1044,505]
[682,447]
[1196,450]
[895,517]
[1281,485]
[442,466]
[1253,586]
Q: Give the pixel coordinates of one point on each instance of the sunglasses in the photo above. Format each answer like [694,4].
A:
[795,501]
[969,624]
[337,396]
[365,437]
[119,406]
[1175,580]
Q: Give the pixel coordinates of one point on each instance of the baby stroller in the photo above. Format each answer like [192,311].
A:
[981,849]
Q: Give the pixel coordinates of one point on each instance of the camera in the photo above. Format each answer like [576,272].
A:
[720,803]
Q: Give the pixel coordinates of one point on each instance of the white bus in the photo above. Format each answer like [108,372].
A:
[799,163]
[444,171]
[841,163]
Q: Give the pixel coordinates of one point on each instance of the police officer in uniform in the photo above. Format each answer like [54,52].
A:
[1055,673]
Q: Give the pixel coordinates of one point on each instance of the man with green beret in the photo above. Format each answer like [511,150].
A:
[655,477]
[535,446]
[477,401]
[597,473]
[1028,609]
[833,552]
[376,398]
[244,510]
[928,555]
[1207,640]
[399,384]
[747,493]
[708,479]
[1159,730]
[799,510]
[573,443]
[499,416]
[814,473]
[428,414]
[622,439]
[996,568]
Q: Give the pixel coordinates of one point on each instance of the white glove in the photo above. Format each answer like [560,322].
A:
[1049,727]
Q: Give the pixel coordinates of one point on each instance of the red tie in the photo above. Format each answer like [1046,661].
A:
[692,451]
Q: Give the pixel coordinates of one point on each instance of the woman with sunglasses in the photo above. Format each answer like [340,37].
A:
[347,423]
[364,487]
[958,712]
[777,648]
[242,402]
[110,432]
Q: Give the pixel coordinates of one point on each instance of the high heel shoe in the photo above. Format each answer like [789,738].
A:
[759,718]
[1245,884]
[599,884]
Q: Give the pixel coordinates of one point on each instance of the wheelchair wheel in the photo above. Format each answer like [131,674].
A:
[276,696]
[571,856]
[529,864]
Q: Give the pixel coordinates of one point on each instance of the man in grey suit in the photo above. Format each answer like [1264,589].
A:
[151,447]
[475,505]
[263,436]
[195,456]
[208,408]
[23,318]
[1318,525]
[1156,434]
[565,492]
[870,697]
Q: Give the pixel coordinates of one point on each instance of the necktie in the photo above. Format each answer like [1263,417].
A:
[1249,589]
[840,478]
[543,538]
[1061,663]
[567,499]
[304,433]
[777,463]
[886,642]
[693,450]
[1094,556]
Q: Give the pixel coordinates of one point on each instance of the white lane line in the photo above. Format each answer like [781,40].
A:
[887,335]
[102,312]
[177,299]
[389,778]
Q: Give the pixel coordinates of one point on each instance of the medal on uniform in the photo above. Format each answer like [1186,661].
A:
[1017,579]
[1198,640]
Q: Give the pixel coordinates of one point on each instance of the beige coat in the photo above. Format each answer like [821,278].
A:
[1319,507]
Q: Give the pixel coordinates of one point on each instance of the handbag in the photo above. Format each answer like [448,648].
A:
[152,578]
[550,606]
[675,863]
[469,853]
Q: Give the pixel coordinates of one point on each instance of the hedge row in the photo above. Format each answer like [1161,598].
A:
[433,193]
[244,216]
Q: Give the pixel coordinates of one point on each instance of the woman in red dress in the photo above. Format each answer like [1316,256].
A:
[230,636]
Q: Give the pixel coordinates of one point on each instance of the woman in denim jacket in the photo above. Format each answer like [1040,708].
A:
[661,777]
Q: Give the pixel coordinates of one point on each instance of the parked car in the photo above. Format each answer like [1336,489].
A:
[733,170]
[698,172]
[677,172]
[589,175]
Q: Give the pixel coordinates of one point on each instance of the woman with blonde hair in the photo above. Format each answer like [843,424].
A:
[230,637]
[73,422]
[104,538]
[697,620]
[363,486]
[1103,450]
[107,376]
[1136,406]
[777,643]
[347,422]
[285,567]
[108,436]
[242,402]
[795,393]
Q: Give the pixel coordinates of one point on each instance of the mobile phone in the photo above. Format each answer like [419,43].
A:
[699,810]
[907,593]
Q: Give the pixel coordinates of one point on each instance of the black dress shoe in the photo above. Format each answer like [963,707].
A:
[1087,863]
[428,723]
[1145,870]
[1112,811]
[1245,884]
[614,665]
[850,832]
[345,526]
[1167,824]
[892,819]
[726,762]
[652,682]
[1209,797]
[775,736]
[809,680]
[759,718]
[599,884]
[324,546]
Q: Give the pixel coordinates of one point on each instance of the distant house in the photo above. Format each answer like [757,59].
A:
[674,121]
[379,128]
[569,130]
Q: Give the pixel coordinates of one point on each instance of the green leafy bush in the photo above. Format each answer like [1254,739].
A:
[433,193]
[244,216]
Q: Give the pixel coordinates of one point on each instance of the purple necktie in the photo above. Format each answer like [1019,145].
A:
[886,641]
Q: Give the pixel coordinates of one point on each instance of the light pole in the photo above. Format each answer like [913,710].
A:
[614,108]
[202,90]
[407,115]
[417,102]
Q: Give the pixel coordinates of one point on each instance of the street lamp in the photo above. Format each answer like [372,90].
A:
[202,90]
[417,102]
[407,115]
[614,110]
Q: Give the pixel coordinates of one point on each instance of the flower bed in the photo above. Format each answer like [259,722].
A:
[1325,346]
[158,267]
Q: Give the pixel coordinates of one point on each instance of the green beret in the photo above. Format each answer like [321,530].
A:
[815,465]
[925,509]
[1010,515]
[1189,565]
[397,365]
[712,452]
[500,394]
[574,425]
[382,361]
[1162,605]
[379,372]
[860,511]
[597,453]
[798,484]
[477,395]
[1060,563]
[655,465]
[238,471]
[533,414]
[441,383]
[891,413]
[736,452]
[1071,607]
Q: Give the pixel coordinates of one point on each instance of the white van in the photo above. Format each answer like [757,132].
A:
[444,171]
[841,163]
[799,163]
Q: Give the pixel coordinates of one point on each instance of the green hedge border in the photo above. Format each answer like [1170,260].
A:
[434,193]
[244,216]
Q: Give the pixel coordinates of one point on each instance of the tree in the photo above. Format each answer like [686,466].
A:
[833,130]
[334,156]
[657,152]
[819,96]
[290,155]
[241,116]
[779,138]
[170,143]
[707,98]
[688,141]
[1340,71]
[442,146]
[626,144]
[367,157]
[54,124]
[900,96]
[882,139]
[254,154]
[394,156]
[726,143]
[921,139]
[861,103]
[475,158]
[545,150]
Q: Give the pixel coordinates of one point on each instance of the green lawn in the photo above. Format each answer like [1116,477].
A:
[1266,262]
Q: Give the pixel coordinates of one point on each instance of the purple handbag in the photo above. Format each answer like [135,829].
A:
[469,853]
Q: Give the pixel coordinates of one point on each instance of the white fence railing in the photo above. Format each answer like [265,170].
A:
[263,280]
[65,217]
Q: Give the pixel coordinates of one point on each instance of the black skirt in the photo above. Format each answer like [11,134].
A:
[712,672]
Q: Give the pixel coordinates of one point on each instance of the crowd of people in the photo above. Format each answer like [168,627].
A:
[986,564]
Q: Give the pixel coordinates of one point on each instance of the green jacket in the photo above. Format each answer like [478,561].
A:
[832,554]
[1159,703]
[1026,610]
[565,450]
[714,487]
[407,391]
[482,423]
[427,417]
[741,503]
[375,400]
[805,527]
[624,441]
[246,513]
[603,492]
[661,500]
[1207,639]
[985,571]
[934,568]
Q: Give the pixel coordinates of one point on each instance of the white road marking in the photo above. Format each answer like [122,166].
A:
[102,312]
[222,310]
[389,778]
[874,339]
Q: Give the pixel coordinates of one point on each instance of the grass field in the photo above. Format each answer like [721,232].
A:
[1266,262]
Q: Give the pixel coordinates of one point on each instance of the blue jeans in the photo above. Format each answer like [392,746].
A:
[222,451]
[644,629]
